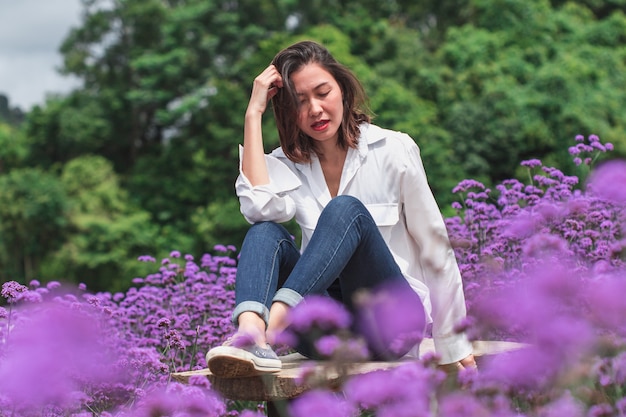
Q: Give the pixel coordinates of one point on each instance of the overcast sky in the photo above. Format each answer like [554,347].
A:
[31,32]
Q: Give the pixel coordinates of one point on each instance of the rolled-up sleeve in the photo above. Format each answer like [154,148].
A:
[268,202]
[436,257]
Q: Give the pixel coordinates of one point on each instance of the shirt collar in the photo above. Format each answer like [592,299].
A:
[370,134]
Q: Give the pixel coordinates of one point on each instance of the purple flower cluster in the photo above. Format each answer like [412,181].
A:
[319,312]
[66,351]
[543,262]
[180,311]
[406,390]
[501,235]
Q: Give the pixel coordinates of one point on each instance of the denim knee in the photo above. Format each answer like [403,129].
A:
[342,202]
[345,204]
[265,231]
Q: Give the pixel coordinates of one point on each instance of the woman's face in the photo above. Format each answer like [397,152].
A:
[320,102]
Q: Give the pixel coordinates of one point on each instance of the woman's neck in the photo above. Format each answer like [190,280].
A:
[332,167]
[336,155]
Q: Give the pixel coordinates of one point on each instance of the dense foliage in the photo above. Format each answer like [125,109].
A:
[479,85]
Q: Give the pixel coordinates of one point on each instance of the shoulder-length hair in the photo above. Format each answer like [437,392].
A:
[296,145]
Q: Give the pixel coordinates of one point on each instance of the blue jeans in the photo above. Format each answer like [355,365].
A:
[346,254]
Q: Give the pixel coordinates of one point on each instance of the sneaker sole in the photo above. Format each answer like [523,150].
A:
[229,362]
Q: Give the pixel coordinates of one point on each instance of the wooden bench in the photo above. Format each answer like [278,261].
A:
[287,384]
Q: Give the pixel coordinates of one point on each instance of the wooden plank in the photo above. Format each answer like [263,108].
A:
[288,383]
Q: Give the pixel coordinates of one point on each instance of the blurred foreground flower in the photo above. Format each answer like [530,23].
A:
[608,181]
[55,357]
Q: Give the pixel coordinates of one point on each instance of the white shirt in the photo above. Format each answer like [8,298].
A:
[386,174]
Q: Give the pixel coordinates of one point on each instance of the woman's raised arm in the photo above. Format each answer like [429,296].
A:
[253,163]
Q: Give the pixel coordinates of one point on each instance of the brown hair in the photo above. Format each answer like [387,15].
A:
[296,145]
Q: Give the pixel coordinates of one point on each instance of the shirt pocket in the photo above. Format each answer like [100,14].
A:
[384,214]
[307,217]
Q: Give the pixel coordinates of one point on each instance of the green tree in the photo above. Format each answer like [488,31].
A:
[107,233]
[479,85]
[13,149]
[34,213]
[11,115]
[523,79]
[65,128]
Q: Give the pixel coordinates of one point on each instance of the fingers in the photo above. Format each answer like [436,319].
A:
[273,90]
[468,363]
[269,79]
[265,86]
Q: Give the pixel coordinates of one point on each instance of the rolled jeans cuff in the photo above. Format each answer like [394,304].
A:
[253,306]
[287,296]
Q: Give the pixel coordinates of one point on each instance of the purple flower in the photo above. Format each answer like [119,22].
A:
[220,248]
[600,410]
[531,163]
[564,406]
[199,381]
[243,340]
[607,304]
[392,319]
[320,403]
[401,391]
[542,245]
[462,405]
[467,185]
[53,285]
[146,258]
[620,405]
[608,181]
[530,368]
[319,312]
[163,322]
[180,400]
[175,254]
[31,297]
[598,146]
[52,352]
[12,290]
[619,369]
[327,345]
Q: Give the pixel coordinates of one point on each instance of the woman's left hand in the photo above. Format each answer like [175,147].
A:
[454,367]
[467,363]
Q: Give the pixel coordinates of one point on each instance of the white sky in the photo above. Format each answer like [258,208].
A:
[31,32]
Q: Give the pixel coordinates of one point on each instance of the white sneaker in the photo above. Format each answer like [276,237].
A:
[228,361]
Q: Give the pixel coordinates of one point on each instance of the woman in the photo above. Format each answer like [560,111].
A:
[361,198]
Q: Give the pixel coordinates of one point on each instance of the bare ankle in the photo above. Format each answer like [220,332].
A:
[278,320]
[252,325]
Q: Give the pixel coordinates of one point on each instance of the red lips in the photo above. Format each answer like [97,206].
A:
[321,125]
